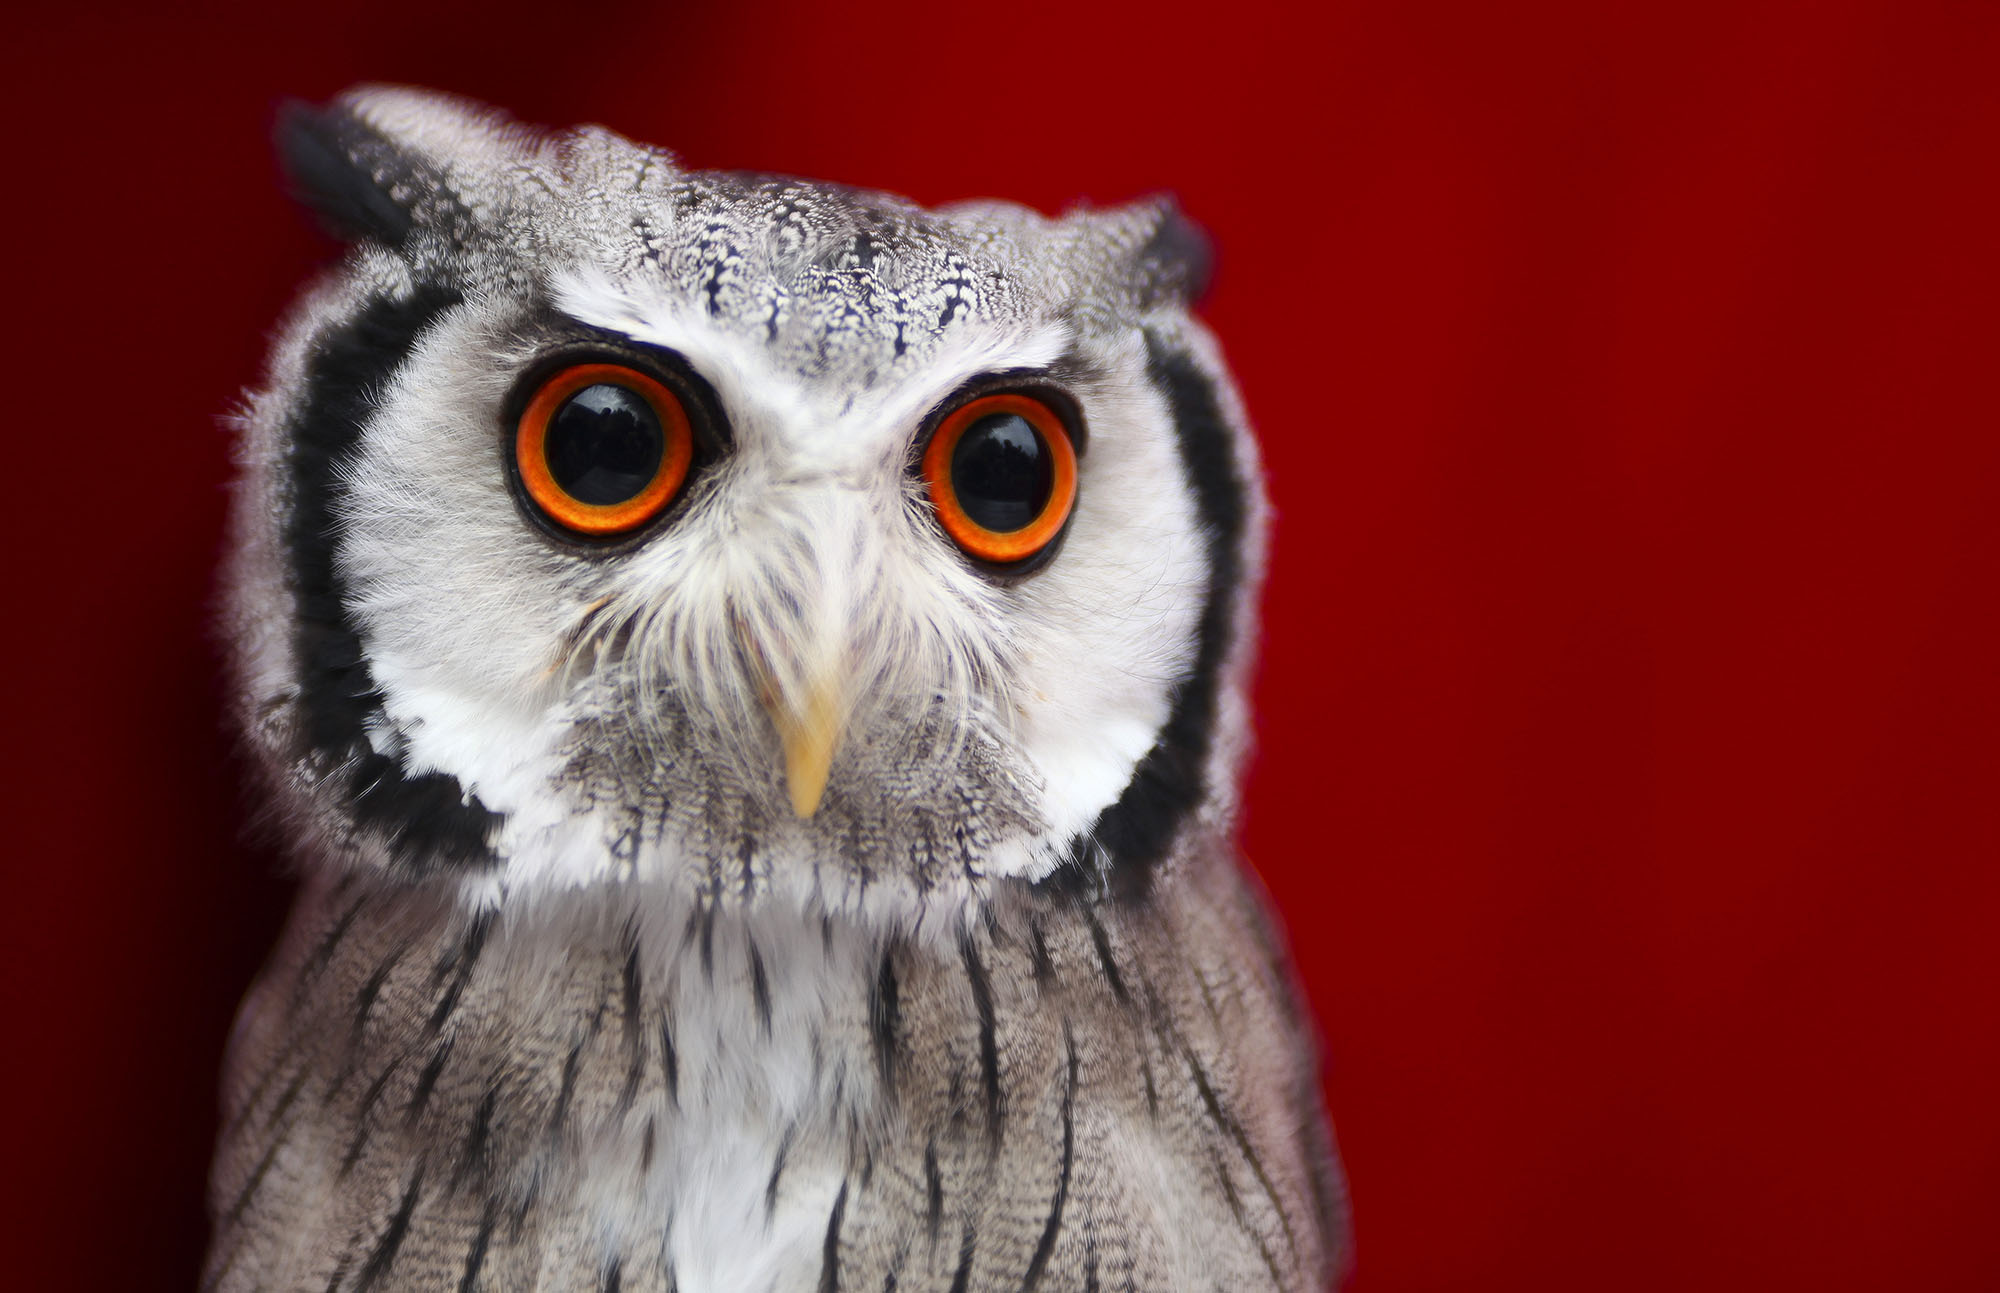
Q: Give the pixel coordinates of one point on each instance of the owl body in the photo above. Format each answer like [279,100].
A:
[753,674]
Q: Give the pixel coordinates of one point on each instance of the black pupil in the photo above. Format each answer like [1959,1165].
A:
[1002,472]
[604,445]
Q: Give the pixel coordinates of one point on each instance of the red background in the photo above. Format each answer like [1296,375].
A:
[1627,378]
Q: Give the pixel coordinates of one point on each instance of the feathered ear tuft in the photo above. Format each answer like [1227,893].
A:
[1178,260]
[383,161]
[1156,253]
[353,179]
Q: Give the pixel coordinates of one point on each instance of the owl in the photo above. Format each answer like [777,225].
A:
[751,673]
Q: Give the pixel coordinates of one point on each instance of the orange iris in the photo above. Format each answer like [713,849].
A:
[603,448]
[1002,476]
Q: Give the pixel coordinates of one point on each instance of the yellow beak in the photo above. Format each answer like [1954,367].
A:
[810,732]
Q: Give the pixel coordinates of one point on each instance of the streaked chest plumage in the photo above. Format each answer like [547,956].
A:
[753,674]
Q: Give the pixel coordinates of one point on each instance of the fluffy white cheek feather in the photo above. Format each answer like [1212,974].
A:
[466,608]
[1107,634]
[1101,633]
[459,603]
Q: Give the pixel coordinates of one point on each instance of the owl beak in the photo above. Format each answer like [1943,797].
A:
[810,731]
[808,717]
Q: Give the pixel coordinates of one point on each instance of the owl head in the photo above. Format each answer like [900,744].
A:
[603,520]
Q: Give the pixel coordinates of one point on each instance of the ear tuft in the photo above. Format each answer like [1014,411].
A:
[1178,260]
[339,169]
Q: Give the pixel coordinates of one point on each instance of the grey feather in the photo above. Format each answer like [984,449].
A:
[574,996]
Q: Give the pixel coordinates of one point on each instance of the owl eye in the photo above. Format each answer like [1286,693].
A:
[602,449]
[1002,475]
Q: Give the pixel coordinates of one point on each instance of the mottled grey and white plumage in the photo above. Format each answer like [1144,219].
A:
[582,990]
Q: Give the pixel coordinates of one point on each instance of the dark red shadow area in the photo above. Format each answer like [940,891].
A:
[1629,382]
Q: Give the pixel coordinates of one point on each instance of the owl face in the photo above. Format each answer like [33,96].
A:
[608,520]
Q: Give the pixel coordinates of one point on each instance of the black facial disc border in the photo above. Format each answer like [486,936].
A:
[1136,832]
[427,819]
